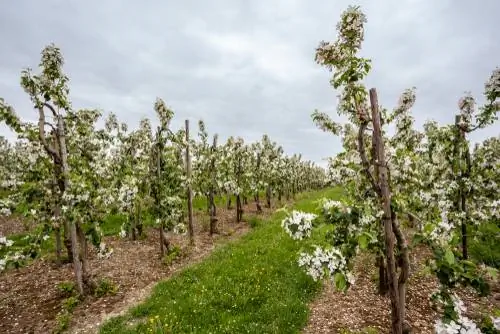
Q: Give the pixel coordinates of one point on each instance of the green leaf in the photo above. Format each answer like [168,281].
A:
[417,239]
[492,272]
[363,241]
[340,281]
[449,257]
[428,228]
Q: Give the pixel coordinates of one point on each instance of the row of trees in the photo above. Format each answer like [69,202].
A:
[66,174]
[428,179]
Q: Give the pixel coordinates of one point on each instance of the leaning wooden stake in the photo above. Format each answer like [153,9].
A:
[189,190]
[460,202]
[392,231]
[211,201]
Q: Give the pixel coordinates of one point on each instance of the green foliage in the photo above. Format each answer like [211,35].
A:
[105,287]
[62,322]
[485,246]
[66,288]
[252,285]
[255,221]
[174,253]
[63,318]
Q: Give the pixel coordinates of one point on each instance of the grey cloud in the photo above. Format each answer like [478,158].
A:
[247,67]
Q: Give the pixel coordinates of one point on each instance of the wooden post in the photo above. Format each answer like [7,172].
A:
[211,202]
[461,196]
[189,190]
[397,295]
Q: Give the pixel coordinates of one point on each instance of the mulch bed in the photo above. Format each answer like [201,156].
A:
[361,307]
[30,301]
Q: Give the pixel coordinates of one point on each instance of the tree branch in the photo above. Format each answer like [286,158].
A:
[364,159]
[45,104]
[41,134]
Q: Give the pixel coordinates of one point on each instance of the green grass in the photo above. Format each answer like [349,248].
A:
[252,285]
[485,248]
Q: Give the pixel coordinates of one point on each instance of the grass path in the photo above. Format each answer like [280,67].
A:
[252,285]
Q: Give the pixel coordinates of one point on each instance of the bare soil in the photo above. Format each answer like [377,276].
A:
[361,307]
[30,301]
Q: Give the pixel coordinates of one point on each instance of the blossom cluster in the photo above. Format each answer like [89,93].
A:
[5,242]
[325,263]
[298,224]
[330,206]
[462,325]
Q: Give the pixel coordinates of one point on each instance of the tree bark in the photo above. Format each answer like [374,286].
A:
[268,197]
[77,264]
[383,284]
[65,174]
[257,203]
[61,183]
[189,190]
[213,219]
[239,209]
[396,292]
[462,196]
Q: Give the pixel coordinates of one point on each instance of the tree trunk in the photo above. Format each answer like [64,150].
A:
[459,172]
[77,264]
[162,242]
[213,219]
[257,203]
[72,228]
[138,217]
[57,229]
[157,195]
[132,223]
[67,240]
[239,209]
[83,253]
[228,202]
[383,284]
[397,298]
[268,197]
[189,190]
[58,246]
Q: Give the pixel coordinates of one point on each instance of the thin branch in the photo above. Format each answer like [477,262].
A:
[45,104]
[52,126]
[364,159]
[41,134]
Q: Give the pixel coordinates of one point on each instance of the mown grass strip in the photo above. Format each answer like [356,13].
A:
[252,285]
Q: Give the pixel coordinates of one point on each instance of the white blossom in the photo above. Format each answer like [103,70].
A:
[298,224]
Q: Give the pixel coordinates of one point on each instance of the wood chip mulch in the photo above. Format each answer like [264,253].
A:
[30,302]
[361,307]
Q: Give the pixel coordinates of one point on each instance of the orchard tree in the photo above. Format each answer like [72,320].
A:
[65,137]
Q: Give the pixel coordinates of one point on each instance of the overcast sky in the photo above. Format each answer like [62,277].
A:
[247,67]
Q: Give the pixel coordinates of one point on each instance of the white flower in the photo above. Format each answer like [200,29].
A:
[5,212]
[496,322]
[123,233]
[463,325]
[298,225]
[325,262]
[180,229]
[6,242]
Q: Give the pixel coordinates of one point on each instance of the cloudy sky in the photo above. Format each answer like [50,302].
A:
[247,67]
